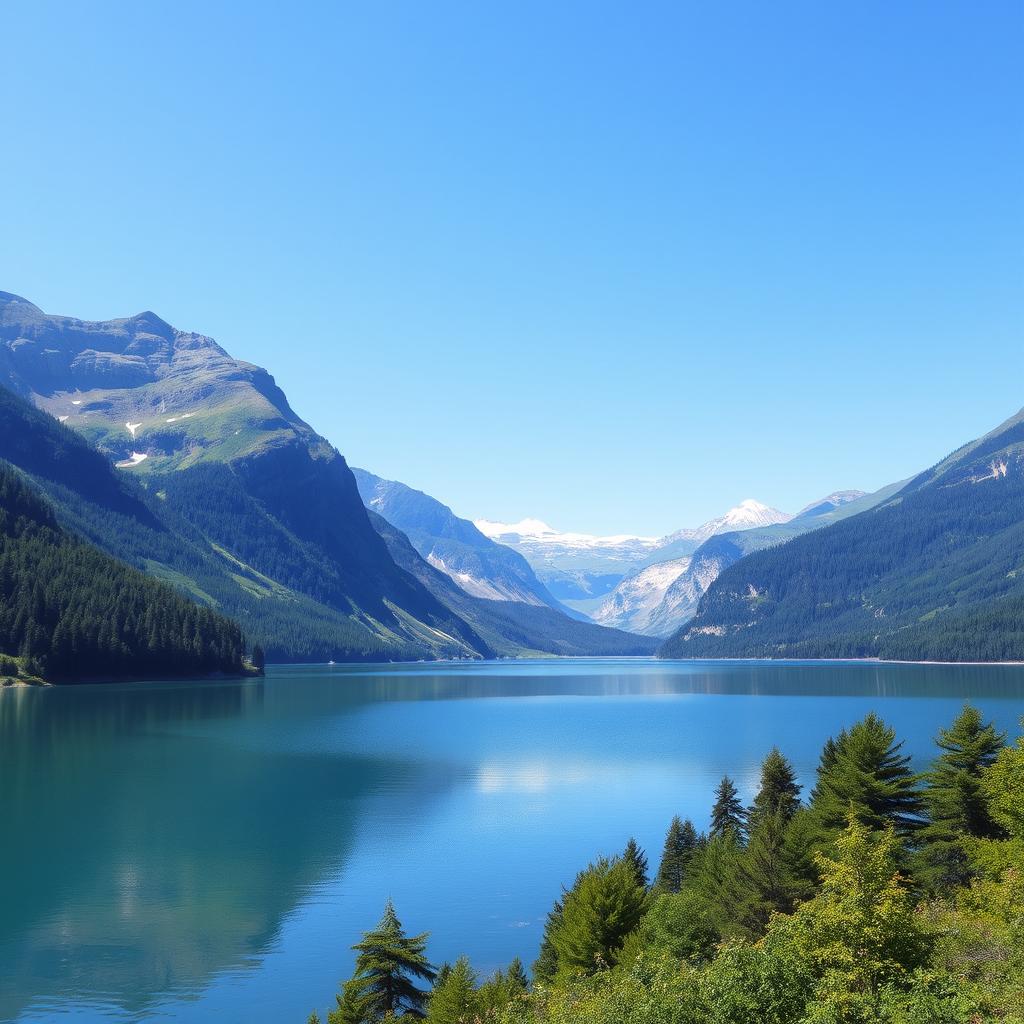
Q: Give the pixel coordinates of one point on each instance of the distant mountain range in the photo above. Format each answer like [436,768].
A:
[659,597]
[224,492]
[934,570]
[452,545]
[132,440]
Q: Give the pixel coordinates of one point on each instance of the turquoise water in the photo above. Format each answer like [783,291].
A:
[196,851]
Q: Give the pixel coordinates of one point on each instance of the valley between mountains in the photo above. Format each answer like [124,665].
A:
[154,451]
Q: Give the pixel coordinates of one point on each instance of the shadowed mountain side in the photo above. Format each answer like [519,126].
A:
[936,572]
[201,531]
[513,629]
[161,401]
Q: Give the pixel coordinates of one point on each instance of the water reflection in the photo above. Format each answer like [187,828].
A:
[159,837]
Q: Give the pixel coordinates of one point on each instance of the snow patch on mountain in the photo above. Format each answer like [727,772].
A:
[633,603]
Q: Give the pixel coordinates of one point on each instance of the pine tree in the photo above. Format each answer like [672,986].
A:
[454,999]
[387,968]
[259,659]
[863,770]
[604,905]
[681,843]
[779,792]
[516,976]
[957,806]
[727,815]
[545,967]
[767,875]
[635,857]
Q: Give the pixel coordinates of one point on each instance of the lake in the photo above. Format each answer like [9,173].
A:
[186,851]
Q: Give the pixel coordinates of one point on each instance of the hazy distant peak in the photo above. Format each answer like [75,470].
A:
[537,531]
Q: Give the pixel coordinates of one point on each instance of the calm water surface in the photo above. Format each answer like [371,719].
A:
[196,851]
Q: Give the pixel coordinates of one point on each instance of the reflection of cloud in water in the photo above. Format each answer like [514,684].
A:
[534,777]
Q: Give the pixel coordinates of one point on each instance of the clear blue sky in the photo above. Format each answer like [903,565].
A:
[614,265]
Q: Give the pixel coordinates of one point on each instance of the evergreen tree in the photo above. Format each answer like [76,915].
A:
[545,967]
[454,999]
[259,659]
[314,1018]
[727,815]
[516,976]
[604,905]
[713,873]
[681,843]
[387,968]
[767,876]
[779,792]
[863,770]
[957,806]
[635,857]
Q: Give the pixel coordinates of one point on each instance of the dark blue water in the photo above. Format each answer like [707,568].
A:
[196,851]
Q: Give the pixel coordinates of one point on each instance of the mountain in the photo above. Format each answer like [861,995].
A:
[68,611]
[269,511]
[481,567]
[572,566]
[514,629]
[193,467]
[658,598]
[934,571]
[747,515]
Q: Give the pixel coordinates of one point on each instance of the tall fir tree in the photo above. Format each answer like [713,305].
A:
[681,843]
[728,815]
[863,770]
[635,857]
[455,999]
[545,967]
[779,792]
[767,876]
[957,806]
[604,905]
[388,966]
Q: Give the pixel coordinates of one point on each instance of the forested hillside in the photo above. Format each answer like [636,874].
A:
[68,611]
[157,524]
[935,573]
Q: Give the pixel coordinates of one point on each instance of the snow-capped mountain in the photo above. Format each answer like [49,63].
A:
[658,598]
[573,566]
[579,567]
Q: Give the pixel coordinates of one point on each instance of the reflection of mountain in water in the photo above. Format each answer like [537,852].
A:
[340,687]
[162,857]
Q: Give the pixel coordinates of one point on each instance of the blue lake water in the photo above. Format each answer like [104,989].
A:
[195,851]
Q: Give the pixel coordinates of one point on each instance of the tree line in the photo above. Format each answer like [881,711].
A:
[884,896]
[68,611]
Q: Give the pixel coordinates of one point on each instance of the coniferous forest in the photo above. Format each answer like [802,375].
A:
[68,611]
[882,895]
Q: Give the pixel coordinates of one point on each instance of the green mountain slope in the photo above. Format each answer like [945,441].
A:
[195,426]
[201,531]
[68,611]
[935,572]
